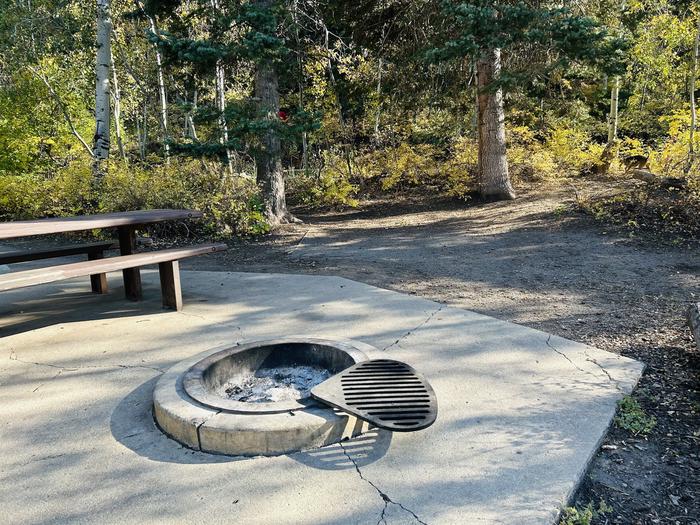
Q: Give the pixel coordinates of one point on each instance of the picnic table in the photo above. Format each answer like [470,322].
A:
[126,224]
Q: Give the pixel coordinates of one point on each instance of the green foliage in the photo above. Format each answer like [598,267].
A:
[631,417]
[573,150]
[584,516]
[477,26]
[371,112]
[329,187]
[231,205]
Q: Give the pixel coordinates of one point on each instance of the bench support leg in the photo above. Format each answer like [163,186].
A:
[170,285]
[132,276]
[98,281]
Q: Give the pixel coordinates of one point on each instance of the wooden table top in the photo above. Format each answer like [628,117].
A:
[9,230]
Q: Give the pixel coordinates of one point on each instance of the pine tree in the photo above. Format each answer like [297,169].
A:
[483,31]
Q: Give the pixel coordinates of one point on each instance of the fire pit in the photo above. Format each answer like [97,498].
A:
[254,398]
[268,376]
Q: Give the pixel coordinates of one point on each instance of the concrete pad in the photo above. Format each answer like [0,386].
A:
[521,412]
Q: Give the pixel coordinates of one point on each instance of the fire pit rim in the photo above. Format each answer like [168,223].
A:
[194,384]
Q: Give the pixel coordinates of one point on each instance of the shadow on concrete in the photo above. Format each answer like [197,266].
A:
[132,424]
[356,452]
[38,307]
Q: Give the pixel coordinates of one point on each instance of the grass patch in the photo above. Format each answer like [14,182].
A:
[631,417]
[584,516]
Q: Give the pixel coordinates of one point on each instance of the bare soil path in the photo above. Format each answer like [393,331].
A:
[533,263]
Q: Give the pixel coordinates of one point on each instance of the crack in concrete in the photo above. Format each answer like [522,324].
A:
[590,359]
[610,378]
[418,327]
[61,368]
[54,377]
[565,356]
[387,500]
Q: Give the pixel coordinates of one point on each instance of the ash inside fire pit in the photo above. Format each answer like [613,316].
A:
[267,385]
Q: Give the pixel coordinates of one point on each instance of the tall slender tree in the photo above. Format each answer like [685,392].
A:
[103,63]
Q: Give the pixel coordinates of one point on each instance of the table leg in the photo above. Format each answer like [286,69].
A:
[98,281]
[132,276]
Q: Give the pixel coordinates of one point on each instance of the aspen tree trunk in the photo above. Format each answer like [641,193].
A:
[102,87]
[221,106]
[494,180]
[162,95]
[221,100]
[270,175]
[693,108]
[117,110]
[143,137]
[612,117]
[190,130]
[378,115]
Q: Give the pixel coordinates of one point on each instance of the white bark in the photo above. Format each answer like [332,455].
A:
[143,138]
[494,179]
[162,95]
[378,115]
[221,106]
[116,110]
[693,108]
[612,116]
[221,101]
[102,84]
[190,130]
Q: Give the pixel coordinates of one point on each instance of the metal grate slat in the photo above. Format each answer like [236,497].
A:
[386,393]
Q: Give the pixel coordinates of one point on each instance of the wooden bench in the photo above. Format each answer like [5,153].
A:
[167,261]
[93,250]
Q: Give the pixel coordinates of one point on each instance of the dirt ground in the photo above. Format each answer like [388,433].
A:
[537,263]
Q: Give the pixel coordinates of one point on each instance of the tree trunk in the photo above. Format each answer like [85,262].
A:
[190,130]
[612,117]
[117,110]
[102,87]
[693,108]
[378,115]
[221,106]
[221,100]
[161,93]
[143,136]
[494,180]
[269,160]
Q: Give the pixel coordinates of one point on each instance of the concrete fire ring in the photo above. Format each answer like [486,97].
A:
[221,431]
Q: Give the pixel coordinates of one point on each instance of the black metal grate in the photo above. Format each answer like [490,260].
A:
[388,394]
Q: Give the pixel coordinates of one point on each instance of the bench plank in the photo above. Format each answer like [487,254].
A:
[50,274]
[9,230]
[57,251]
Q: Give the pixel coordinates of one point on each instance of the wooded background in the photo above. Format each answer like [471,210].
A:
[232,107]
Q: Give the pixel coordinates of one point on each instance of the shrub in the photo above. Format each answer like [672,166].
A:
[528,158]
[573,150]
[329,186]
[231,204]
